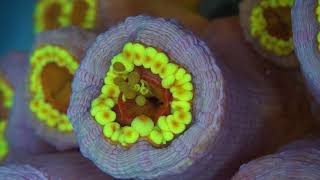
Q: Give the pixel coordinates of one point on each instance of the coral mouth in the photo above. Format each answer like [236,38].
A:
[79,10]
[279,22]
[156,105]
[56,84]
[51,16]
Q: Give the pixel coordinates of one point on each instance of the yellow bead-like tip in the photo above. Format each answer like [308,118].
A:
[128,51]
[115,136]
[180,106]
[175,125]
[168,81]
[182,116]
[187,86]
[180,74]
[111,91]
[103,101]
[185,79]
[150,54]
[95,110]
[182,95]
[167,135]
[162,58]
[139,54]
[110,128]
[156,136]
[105,116]
[143,125]
[160,61]
[168,70]
[130,134]
[128,65]
[162,123]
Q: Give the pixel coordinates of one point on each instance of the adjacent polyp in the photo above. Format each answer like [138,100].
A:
[52,14]
[21,138]
[6,97]
[306,28]
[53,62]
[299,160]
[267,25]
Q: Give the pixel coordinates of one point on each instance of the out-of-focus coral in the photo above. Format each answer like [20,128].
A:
[71,166]
[305,17]
[52,14]
[99,15]
[6,97]
[21,138]
[267,26]
[53,62]
[299,160]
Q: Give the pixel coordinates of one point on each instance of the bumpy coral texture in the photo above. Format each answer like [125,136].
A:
[182,157]
[300,160]
[305,30]
[58,166]
[9,172]
[21,137]
[75,41]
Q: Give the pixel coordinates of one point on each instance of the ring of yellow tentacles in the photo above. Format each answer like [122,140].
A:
[121,73]
[259,27]
[52,14]
[7,102]
[318,19]
[44,111]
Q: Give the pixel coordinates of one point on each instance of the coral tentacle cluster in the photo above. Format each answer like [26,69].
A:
[45,57]
[183,54]
[298,160]
[279,42]
[267,25]
[51,14]
[6,96]
[127,84]
[53,62]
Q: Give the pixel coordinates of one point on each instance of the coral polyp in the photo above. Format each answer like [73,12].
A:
[53,62]
[267,24]
[50,95]
[6,97]
[144,96]
[52,14]
[305,18]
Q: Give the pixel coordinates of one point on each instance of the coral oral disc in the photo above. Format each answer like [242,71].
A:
[271,24]
[140,83]
[52,69]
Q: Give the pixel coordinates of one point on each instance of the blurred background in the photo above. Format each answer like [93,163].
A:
[16,17]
